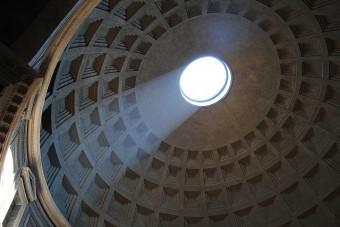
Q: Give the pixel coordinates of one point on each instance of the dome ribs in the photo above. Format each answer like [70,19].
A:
[156,169]
[143,48]
[85,38]
[174,20]
[52,170]
[266,155]
[98,147]
[98,190]
[168,220]
[300,31]
[251,15]
[70,71]
[248,166]
[276,114]
[194,221]
[193,11]
[193,158]
[312,140]
[192,200]
[193,177]
[282,141]
[328,23]
[174,175]
[69,141]
[116,65]
[111,87]
[119,208]
[90,122]
[93,66]
[332,95]
[144,22]
[288,13]
[81,168]
[212,176]
[163,151]
[266,128]
[171,198]
[140,160]
[328,119]
[129,100]
[283,101]
[231,172]
[126,43]
[288,69]
[331,201]
[313,69]
[260,187]
[310,88]
[313,217]
[332,157]
[238,195]
[149,193]
[178,155]
[295,126]
[111,109]
[143,217]
[209,157]
[88,95]
[214,7]
[129,83]
[267,25]
[128,182]
[304,201]
[141,129]
[107,5]
[111,164]
[239,147]
[315,4]
[281,174]
[274,211]
[165,5]
[111,35]
[233,8]
[268,3]
[218,220]
[333,46]
[157,32]
[128,11]
[224,153]
[310,47]
[134,64]
[304,107]
[215,198]
[46,125]
[300,158]
[134,117]
[67,196]
[320,179]
[108,224]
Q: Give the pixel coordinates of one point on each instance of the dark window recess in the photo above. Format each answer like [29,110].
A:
[15,18]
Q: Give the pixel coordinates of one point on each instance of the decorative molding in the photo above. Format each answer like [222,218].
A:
[29,183]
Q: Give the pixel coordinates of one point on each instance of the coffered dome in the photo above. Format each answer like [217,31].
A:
[121,147]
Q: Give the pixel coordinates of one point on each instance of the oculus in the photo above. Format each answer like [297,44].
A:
[205,81]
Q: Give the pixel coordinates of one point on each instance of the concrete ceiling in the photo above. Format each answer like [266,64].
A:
[266,155]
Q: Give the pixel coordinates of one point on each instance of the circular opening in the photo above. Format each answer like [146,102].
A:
[205,81]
